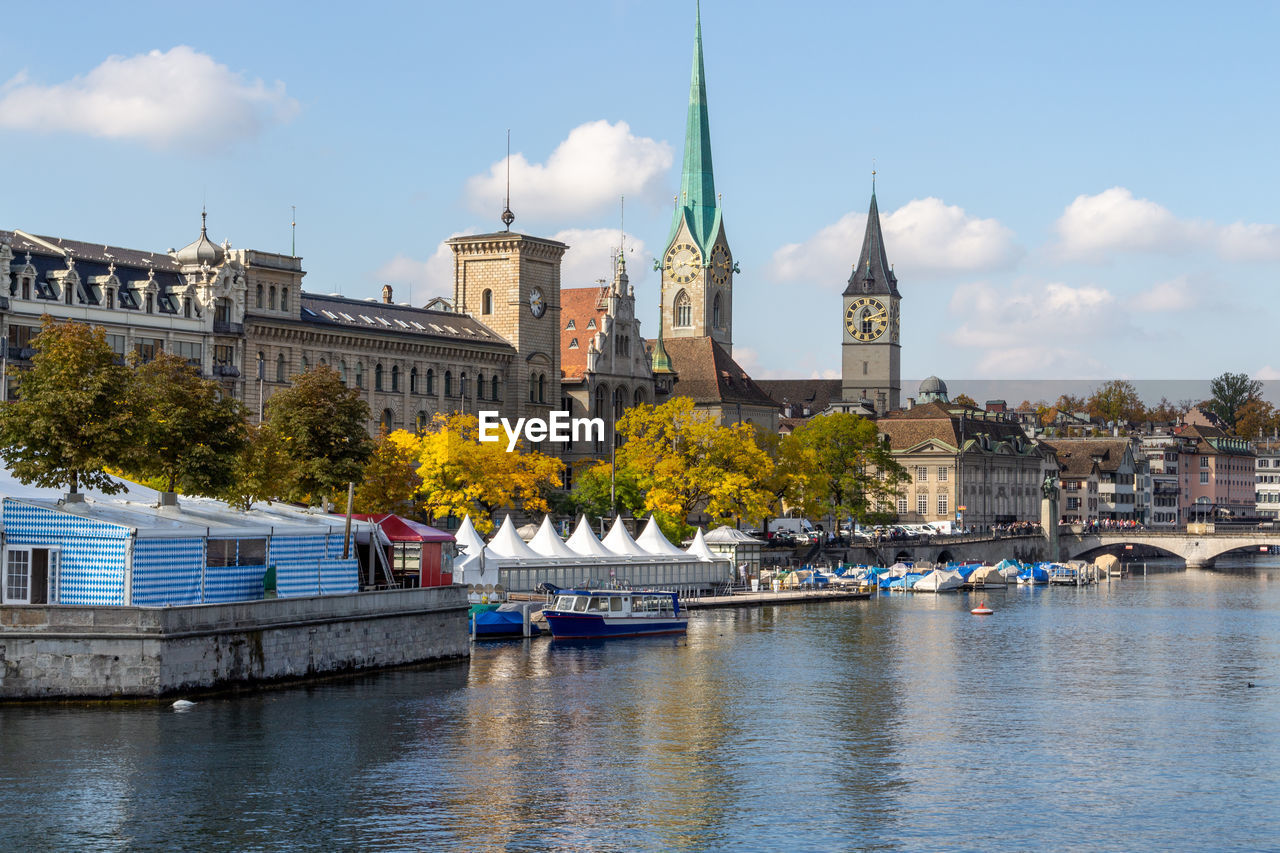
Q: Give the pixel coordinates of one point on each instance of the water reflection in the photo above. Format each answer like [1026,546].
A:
[899,723]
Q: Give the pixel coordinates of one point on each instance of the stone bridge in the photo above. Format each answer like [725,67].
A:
[1197,549]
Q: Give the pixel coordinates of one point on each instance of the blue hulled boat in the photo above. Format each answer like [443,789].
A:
[601,613]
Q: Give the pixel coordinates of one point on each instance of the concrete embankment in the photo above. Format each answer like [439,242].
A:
[70,652]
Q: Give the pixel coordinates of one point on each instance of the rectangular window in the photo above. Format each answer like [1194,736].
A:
[1204,461]
[942,474]
[1204,478]
[922,504]
[902,506]
[147,348]
[224,354]
[117,344]
[942,505]
[922,474]
[190,350]
[236,552]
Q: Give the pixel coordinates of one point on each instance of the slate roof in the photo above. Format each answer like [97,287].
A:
[580,305]
[1075,455]
[872,273]
[908,427]
[709,375]
[339,312]
[817,394]
[1212,440]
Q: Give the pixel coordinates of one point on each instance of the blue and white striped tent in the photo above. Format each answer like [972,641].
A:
[126,550]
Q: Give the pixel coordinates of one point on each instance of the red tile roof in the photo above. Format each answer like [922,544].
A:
[580,305]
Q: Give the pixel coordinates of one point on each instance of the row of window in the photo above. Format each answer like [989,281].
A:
[267,298]
[682,313]
[922,474]
[390,380]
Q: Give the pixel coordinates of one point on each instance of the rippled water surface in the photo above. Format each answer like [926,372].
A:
[1111,718]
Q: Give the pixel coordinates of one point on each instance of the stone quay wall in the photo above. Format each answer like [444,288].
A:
[73,652]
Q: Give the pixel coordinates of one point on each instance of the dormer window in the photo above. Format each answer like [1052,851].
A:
[571,326]
[573,344]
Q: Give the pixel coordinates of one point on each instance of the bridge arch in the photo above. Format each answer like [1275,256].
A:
[945,556]
[904,557]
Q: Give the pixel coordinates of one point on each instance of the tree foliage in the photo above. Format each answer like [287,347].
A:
[71,420]
[1116,401]
[391,482]
[1257,419]
[262,471]
[461,474]
[859,478]
[321,425]
[185,433]
[591,492]
[963,399]
[795,478]
[685,462]
[1231,391]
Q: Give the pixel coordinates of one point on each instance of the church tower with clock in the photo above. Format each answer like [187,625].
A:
[872,353]
[697,267]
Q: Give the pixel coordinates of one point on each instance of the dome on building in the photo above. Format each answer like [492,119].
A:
[202,251]
[933,389]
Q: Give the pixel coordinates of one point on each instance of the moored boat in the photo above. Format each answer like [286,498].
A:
[602,613]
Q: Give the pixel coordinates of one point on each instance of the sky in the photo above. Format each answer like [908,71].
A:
[1068,191]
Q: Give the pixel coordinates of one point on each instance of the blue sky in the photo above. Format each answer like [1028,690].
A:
[1069,191]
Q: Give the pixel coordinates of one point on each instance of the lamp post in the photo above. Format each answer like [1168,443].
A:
[262,372]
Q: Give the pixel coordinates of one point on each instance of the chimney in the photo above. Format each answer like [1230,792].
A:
[386,293]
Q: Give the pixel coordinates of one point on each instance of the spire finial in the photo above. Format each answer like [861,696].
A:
[204,215]
[507,216]
[622,231]
[873,176]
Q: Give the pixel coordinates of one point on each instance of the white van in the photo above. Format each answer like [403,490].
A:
[791,525]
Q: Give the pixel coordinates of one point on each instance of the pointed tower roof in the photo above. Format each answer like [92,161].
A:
[697,204]
[872,273]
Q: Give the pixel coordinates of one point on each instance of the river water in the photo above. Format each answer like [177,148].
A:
[1116,717]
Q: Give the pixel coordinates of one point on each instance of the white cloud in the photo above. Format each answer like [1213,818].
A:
[1094,226]
[590,256]
[1049,330]
[1267,374]
[922,237]
[178,98]
[588,171]
[1173,295]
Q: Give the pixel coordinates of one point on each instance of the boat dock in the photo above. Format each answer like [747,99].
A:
[747,598]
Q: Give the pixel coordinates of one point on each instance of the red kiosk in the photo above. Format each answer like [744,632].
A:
[419,555]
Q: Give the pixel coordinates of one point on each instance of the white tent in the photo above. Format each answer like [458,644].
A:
[468,539]
[700,550]
[619,541]
[652,540]
[939,580]
[584,543]
[507,543]
[548,544]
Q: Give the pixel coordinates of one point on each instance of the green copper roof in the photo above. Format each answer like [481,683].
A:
[697,203]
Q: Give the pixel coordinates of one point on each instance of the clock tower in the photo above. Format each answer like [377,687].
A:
[872,353]
[697,266]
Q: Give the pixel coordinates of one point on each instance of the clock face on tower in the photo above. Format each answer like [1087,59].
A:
[866,319]
[721,264]
[537,305]
[682,263]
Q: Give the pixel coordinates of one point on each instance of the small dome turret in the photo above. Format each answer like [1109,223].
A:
[933,389]
[202,251]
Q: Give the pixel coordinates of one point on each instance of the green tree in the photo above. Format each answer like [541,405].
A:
[262,471]
[1116,401]
[591,492]
[1231,391]
[860,479]
[321,423]
[186,433]
[794,478]
[391,482]
[71,420]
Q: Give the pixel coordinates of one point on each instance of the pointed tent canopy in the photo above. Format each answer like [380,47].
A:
[619,541]
[507,543]
[652,540]
[584,543]
[468,538]
[700,550]
[548,544]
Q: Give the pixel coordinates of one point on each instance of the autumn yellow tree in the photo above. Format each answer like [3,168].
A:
[685,462]
[461,474]
[795,478]
[391,482]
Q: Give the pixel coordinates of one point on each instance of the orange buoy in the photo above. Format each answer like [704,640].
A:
[982,610]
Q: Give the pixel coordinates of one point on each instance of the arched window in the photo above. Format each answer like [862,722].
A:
[462,385]
[387,421]
[448,383]
[494,383]
[377,376]
[865,322]
[619,403]
[638,398]
[395,377]
[306,364]
[602,395]
[272,303]
[542,387]
[683,309]
[533,387]
[715,311]
[413,380]
[323,363]
[259,302]
[421,422]
[284,299]
[486,302]
[280,367]
[479,386]
[186,305]
[431,381]
[359,374]
[342,370]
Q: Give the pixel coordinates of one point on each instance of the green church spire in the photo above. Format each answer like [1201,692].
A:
[697,202]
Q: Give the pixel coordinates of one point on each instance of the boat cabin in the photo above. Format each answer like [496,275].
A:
[617,603]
